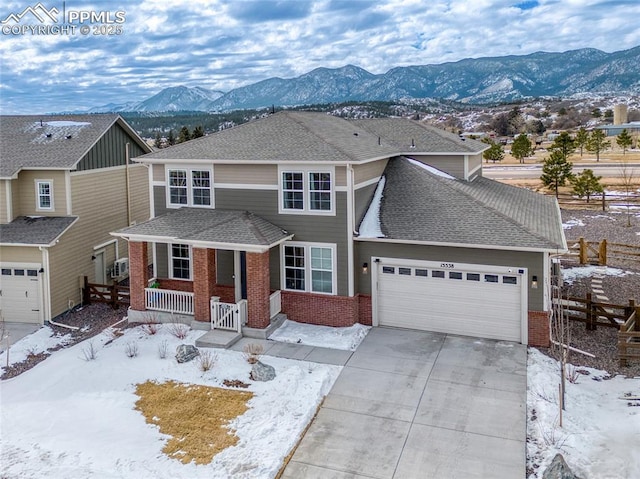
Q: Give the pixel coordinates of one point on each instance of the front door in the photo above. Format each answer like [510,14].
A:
[100,272]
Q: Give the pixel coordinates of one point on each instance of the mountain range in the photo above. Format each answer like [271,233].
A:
[475,81]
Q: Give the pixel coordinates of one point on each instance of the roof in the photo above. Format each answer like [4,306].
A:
[224,229]
[52,141]
[295,136]
[35,230]
[413,137]
[482,212]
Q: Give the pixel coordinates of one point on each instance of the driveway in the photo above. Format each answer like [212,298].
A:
[12,332]
[413,404]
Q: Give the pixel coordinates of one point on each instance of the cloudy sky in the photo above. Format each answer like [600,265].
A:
[224,44]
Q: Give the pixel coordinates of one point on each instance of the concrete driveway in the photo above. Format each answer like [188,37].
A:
[12,332]
[413,404]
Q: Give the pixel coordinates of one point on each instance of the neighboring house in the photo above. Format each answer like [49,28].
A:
[64,183]
[330,222]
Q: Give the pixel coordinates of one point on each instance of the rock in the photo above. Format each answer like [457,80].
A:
[559,469]
[186,352]
[262,372]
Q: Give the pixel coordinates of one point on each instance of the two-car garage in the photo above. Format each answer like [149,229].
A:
[467,299]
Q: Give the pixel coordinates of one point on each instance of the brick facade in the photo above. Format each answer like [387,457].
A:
[539,329]
[204,280]
[138,273]
[258,290]
[365,315]
[320,309]
[176,284]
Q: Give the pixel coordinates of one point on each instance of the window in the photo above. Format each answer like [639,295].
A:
[18,272]
[510,279]
[388,270]
[437,274]
[473,277]
[292,191]
[44,193]
[309,267]
[32,272]
[490,278]
[6,272]
[422,272]
[180,261]
[404,271]
[306,191]
[189,187]
[455,275]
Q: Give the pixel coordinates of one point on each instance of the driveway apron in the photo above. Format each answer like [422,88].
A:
[414,404]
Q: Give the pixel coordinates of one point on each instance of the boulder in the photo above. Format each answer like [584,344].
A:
[559,469]
[186,352]
[262,372]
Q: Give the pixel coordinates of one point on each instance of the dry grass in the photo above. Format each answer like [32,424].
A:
[196,417]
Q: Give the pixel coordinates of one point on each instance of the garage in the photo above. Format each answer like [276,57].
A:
[467,299]
[20,294]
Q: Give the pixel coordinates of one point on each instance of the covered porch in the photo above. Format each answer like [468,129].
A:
[187,289]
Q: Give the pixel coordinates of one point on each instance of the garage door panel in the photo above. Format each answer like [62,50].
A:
[490,307]
[20,294]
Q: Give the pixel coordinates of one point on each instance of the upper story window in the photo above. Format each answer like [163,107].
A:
[44,194]
[307,191]
[189,187]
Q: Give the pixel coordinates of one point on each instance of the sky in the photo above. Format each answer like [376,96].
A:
[119,51]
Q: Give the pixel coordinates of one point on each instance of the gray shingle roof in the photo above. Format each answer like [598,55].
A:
[420,206]
[309,136]
[35,230]
[402,133]
[199,225]
[48,141]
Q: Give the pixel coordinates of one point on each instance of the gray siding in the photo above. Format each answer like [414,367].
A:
[162,260]
[451,164]
[110,150]
[311,228]
[362,200]
[224,267]
[159,200]
[534,262]
[474,162]
[274,269]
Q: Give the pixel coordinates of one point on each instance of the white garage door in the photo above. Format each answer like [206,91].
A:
[470,300]
[20,294]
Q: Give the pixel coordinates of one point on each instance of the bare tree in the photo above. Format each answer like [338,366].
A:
[628,176]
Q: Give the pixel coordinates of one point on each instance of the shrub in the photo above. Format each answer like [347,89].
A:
[90,352]
[131,349]
[162,349]
[206,361]
[179,330]
[253,352]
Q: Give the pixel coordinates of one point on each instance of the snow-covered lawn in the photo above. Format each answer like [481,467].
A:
[600,429]
[69,417]
[322,336]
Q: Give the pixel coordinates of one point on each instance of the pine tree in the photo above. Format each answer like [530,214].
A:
[597,143]
[171,138]
[563,144]
[624,140]
[157,142]
[521,147]
[198,131]
[495,151]
[556,171]
[184,135]
[582,137]
[587,184]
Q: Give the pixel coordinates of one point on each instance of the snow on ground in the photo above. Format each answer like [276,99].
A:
[430,169]
[69,417]
[322,336]
[39,342]
[370,226]
[600,429]
[567,225]
[569,275]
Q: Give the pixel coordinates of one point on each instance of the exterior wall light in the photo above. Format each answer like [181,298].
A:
[534,282]
[365,268]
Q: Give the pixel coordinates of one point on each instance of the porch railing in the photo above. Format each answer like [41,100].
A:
[275,304]
[169,301]
[228,316]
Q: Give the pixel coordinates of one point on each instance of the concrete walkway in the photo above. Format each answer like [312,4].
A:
[412,404]
[12,332]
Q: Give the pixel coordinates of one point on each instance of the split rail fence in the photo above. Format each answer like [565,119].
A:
[602,252]
[113,294]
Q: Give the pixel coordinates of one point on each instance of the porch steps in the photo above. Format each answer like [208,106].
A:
[217,338]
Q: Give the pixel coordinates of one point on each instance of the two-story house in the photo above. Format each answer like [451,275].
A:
[332,221]
[66,182]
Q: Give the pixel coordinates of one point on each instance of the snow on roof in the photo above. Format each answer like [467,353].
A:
[430,169]
[370,226]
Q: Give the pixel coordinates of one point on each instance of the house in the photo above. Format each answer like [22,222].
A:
[333,221]
[65,184]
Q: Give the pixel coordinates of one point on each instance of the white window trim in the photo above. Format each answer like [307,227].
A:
[307,267]
[189,170]
[38,206]
[170,259]
[306,170]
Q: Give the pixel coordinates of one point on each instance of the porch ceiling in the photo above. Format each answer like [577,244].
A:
[209,228]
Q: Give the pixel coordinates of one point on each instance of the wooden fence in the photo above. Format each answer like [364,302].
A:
[601,252]
[113,294]
[625,318]
[599,201]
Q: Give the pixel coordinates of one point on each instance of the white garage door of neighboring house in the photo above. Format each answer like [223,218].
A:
[20,294]
[471,300]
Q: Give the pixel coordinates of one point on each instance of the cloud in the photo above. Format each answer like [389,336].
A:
[225,44]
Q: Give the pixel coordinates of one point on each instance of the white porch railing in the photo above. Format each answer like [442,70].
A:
[228,316]
[275,304]
[169,301]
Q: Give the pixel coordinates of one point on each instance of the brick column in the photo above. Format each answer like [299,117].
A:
[539,329]
[258,291]
[138,273]
[204,280]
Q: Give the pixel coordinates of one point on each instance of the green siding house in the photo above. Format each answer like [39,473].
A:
[331,221]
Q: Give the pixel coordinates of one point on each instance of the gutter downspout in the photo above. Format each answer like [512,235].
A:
[350,227]
[126,154]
